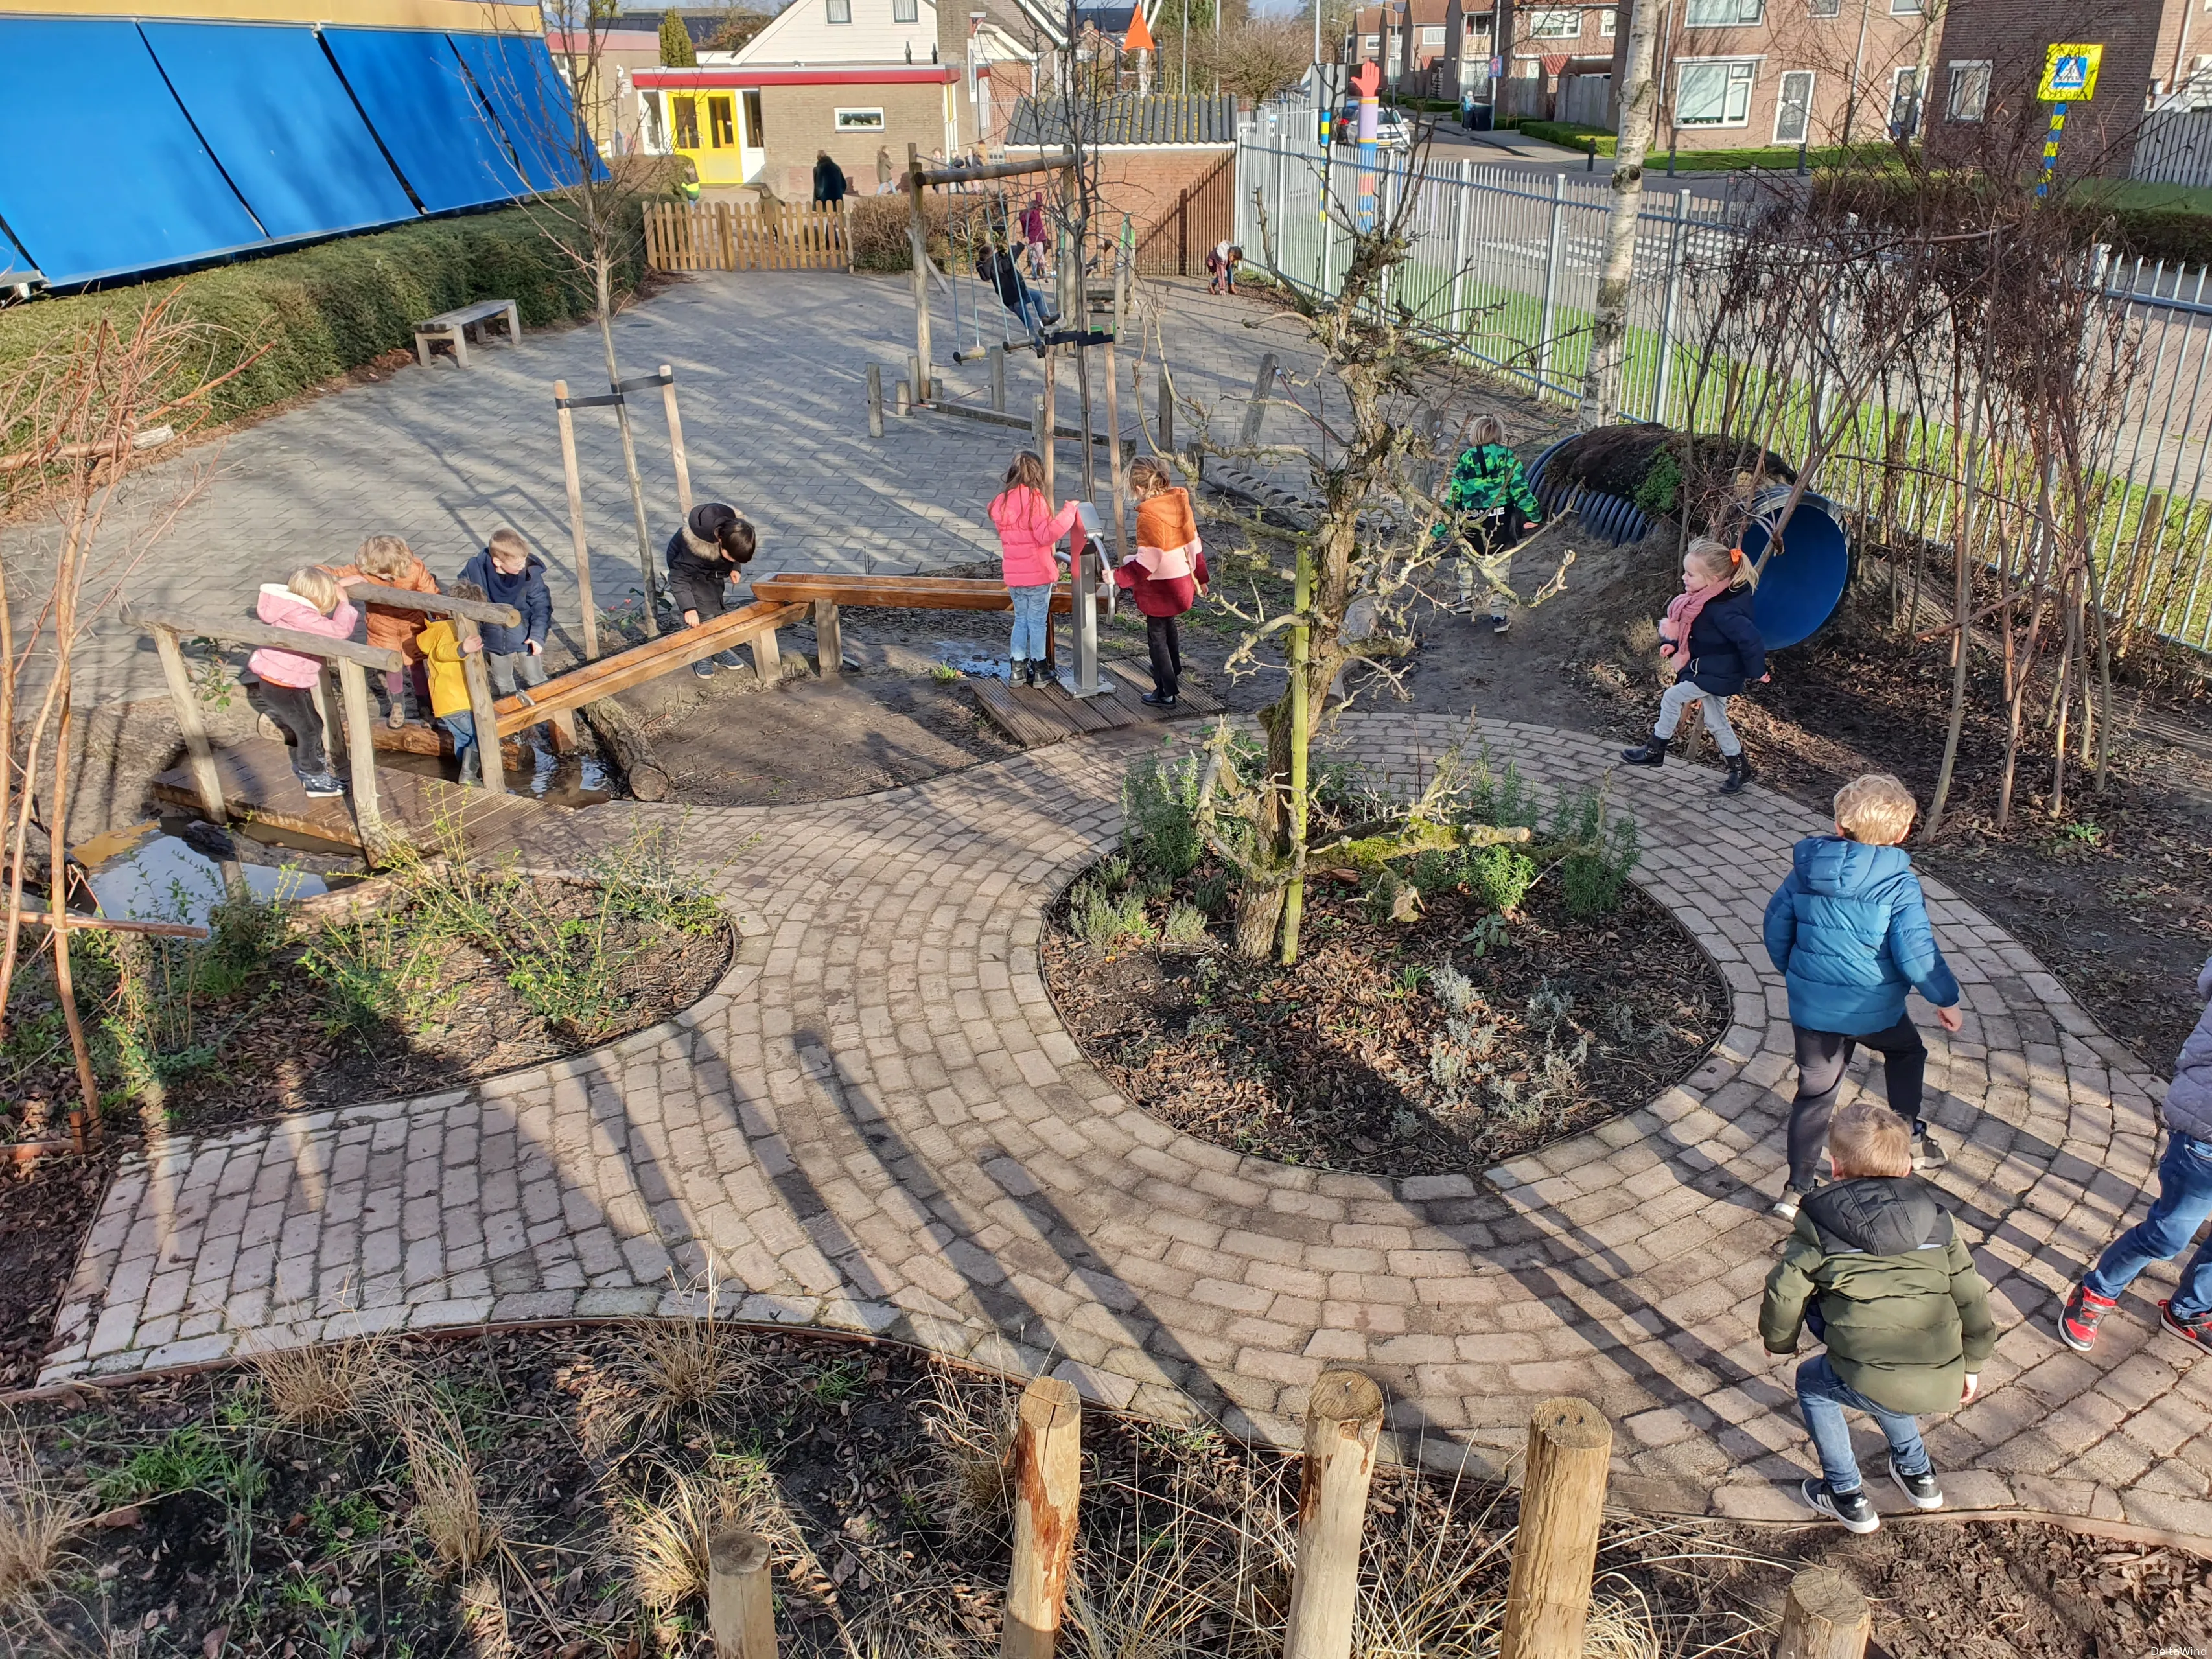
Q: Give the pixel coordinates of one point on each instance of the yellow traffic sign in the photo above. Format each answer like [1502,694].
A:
[2069,73]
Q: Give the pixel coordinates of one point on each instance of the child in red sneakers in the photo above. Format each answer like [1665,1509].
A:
[2184,1198]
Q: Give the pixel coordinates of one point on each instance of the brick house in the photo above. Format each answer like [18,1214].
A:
[1408,38]
[1169,163]
[1546,44]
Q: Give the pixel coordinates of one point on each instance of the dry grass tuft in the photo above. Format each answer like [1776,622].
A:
[37,1521]
[315,1387]
[681,1369]
[666,1538]
[449,1508]
[972,1422]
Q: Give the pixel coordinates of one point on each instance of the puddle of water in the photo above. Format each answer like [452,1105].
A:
[961,655]
[140,874]
[558,780]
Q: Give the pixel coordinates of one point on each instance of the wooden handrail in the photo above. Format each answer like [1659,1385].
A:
[677,648]
[230,631]
[431,605]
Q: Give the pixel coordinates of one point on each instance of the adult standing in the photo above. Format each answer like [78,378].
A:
[1033,234]
[886,172]
[828,180]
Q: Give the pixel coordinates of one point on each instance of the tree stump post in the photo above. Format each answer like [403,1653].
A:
[1343,1419]
[1555,1556]
[1824,1617]
[740,1601]
[1048,1478]
[875,400]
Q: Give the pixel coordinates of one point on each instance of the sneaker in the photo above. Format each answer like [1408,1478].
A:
[2198,1330]
[731,659]
[1499,624]
[396,718]
[1926,1153]
[1851,1508]
[1786,1206]
[2084,1311]
[320,784]
[1653,753]
[1157,701]
[704,668]
[1921,1490]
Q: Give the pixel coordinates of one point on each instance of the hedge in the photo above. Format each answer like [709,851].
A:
[332,307]
[2173,234]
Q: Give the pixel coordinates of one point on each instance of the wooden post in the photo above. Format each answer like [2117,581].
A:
[902,396]
[1048,423]
[1824,1617]
[1114,402]
[1256,410]
[845,219]
[1164,415]
[197,754]
[829,639]
[1561,1501]
[585,602]
[1047,1481]
[360,749]
[479,680]
[1344,1418]
[875,400]
[740,1601]
[918,242]
[676,441]
[997,354]
[768,658]
[336,750]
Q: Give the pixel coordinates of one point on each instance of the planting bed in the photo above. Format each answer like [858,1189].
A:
[550,1493]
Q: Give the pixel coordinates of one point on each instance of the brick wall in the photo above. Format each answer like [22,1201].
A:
[2140,37]
[1148,183]
[801,122]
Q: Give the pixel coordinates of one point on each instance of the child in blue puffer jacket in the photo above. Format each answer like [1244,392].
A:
[1848,927]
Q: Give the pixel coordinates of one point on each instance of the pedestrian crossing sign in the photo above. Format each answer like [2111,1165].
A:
[2069,73]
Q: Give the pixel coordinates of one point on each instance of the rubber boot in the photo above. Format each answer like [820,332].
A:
[1653,753]
[1739,774]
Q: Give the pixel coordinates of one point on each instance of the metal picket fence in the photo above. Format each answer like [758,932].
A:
[1507,262]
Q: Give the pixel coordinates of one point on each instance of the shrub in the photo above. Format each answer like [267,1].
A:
[2177,235]
[1602,850]
[1159,815]
[1185,926]
[1661,486]
[1501,800]
[1500,877]
[880,237]
[330,308]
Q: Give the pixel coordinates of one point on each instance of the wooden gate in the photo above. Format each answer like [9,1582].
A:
[741,236]
[1203,213]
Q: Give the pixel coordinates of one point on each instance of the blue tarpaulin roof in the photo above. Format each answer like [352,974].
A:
[104,174]
[410,85]
[15,265]
[515,72]
[274,112]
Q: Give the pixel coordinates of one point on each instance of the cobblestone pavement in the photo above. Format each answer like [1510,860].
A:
[878,1122]
[772,370]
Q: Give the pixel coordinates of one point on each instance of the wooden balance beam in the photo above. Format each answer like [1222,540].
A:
[827,594]
[564,694]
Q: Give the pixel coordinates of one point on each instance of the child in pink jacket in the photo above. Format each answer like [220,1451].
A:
[1028,536]
[308,601]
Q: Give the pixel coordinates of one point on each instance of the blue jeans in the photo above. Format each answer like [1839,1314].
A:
[462,729]
[1033,617]
[1030,313]
[1822,1399]
[2184,1198]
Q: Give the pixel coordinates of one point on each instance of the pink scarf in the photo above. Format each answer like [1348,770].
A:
[1682,615]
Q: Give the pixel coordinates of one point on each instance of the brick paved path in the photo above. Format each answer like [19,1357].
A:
[878,1122]
[772,369]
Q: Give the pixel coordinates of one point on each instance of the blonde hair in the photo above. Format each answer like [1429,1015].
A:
[1487,429]
[317,586]
[1722,560]
[1866,1139]
[1025,472]
[1148,477]
[508,541]
[1876,809]
[386,558]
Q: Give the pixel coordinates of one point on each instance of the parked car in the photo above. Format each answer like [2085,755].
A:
[1392,130]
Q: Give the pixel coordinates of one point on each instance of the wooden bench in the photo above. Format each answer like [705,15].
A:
[455,328]
[828,593]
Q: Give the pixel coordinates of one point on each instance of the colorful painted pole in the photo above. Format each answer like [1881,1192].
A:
[2069,77]
[2050,138]
[1367,81]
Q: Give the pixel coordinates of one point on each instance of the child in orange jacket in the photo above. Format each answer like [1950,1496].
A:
[389,561]
[1165,575]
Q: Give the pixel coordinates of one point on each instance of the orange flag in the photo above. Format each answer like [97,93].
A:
[1138,38]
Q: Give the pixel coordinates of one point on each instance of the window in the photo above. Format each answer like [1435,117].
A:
[1970,89]
[905,11]
[1825,8]
[1793,112]
[720,123]
[1905,8]
[1904,103]
[1714,93]
[840,11]
[1370,44]
[655,138]
[1433,35]
[755,130]
[1607,24]
[859,120]
[1555,25]
[687,122]
[1725,13]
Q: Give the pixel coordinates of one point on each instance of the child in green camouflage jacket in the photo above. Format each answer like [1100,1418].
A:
[1488,508]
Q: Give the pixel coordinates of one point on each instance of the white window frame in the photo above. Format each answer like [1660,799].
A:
[1824,8]
[1905,8]
[1433,35]
[1782,105]
[1952,76]
[856,118]
[830,9]
[1608,23]
[1555,25]
[1731,80]
[1749,14]
[1920,98]
[905,11]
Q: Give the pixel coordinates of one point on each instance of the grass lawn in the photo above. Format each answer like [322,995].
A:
[2156,199]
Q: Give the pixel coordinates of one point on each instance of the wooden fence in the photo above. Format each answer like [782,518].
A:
[1204,213]
[741,236]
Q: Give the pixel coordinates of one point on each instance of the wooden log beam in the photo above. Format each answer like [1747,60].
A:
[198,754]
[993,170]
[414,738]
[901,592]
[626,745]
[74,923]
[1047,1482]
[432,604]
[1555,1555]
[639,663]
[226,630]
[1344,1419]
[361,755]
[484,716]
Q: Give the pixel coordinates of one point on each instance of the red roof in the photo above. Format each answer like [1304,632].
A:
[862,75]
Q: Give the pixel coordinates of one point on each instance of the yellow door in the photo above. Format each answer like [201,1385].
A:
[704,127]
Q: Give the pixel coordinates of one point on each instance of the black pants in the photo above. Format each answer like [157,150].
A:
[1821,1058]
[293,707]
[1160,634]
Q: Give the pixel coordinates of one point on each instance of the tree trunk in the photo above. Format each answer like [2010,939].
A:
[1639,113]
[1301,745]
[603,294]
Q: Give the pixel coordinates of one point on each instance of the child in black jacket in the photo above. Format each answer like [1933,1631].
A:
[1711,639]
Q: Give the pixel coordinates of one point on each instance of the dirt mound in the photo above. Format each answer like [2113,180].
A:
[1657,468]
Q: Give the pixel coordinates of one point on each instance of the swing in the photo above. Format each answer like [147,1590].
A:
[967,227]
